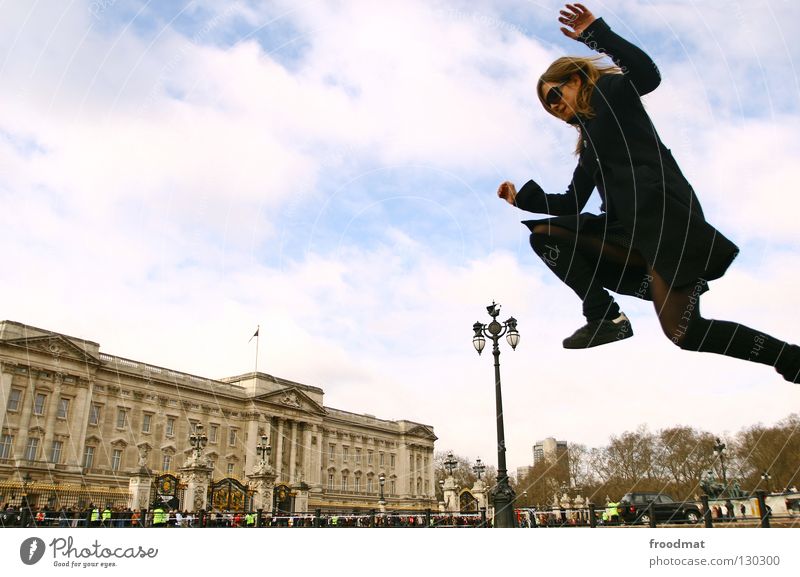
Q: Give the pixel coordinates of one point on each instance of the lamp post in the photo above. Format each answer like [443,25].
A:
[502,492]
[719,451]
[479,468]
[25,506]
[263,450]
[450,463]
[382,482]
[765,476]
[198,440]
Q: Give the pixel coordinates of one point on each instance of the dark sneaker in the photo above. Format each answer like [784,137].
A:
[600,332]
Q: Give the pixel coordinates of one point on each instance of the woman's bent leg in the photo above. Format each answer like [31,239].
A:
[577,261]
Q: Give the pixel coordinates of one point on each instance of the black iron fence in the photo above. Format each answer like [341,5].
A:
[747,512]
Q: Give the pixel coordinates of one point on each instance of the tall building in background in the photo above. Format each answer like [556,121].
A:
[549,450]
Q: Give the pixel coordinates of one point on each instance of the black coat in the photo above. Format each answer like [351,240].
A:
[641,185]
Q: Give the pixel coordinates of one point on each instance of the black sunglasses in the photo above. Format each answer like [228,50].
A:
[554,94]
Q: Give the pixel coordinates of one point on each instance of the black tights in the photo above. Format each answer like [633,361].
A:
[581,261]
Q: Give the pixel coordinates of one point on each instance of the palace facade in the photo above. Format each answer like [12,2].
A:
[72,416]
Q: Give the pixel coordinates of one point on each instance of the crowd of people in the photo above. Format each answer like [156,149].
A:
[164,517]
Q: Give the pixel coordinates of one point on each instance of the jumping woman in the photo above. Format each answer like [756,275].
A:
[650,239]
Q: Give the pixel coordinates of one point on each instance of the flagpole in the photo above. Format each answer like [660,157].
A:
[258,333]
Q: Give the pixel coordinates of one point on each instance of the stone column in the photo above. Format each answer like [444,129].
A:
[479,492]
[319,457]
[450,494]
[51,420]
[78,425]
[279,450]
[139,489]
[305,472]
[5,391]
[293,455]
[262,480]
[301,498]
[197,476]
[25,424]
[253,439]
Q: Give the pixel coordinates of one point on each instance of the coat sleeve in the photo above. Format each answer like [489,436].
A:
[532,198]
[637,67]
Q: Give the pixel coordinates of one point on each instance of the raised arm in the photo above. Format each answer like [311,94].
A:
[637,67]
[532,198]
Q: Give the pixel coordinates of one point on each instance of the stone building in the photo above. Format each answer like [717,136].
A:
[72,416]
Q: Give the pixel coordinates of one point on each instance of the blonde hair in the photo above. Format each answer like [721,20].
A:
[562,69]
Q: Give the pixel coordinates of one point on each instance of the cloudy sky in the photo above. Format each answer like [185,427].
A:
[173,174]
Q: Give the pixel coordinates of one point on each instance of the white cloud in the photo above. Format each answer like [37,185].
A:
[164,194]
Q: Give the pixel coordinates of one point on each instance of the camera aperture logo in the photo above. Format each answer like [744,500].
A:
[31,551]
[67,554]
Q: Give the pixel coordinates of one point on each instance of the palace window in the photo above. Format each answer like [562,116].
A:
[232,434]
[231,467]
[391,460]
[55,451]
[88,457]
[370,485]
[147,422]
[38,404]
[32,449]
[381,460]
[170,427]
[122,418]
[13,400]
[116,459]
[166,463]
[94,415]
[6,446]
[213,430]
[369,457]
[330,482]
[63,408]
[344,481]
[392,487]
[357,484]
[345,451]
[331,451]
[358,456]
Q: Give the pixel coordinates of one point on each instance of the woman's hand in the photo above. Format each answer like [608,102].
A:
[508,192]
[578,18]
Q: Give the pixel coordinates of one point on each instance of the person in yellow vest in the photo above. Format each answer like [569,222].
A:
[335,520]
[94,518]
[106,516]
[250,519]
[610,514]
[613,512]
[159,516]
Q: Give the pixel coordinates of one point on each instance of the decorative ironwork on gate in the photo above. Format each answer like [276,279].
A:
[167,490]
[283,499]
[231,495]
[467,503]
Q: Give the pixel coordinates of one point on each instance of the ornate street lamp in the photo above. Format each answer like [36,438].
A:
[198,440]
[502,492]
[450,463]
[479,468]
[263,450]
[382,482]
[765,476]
